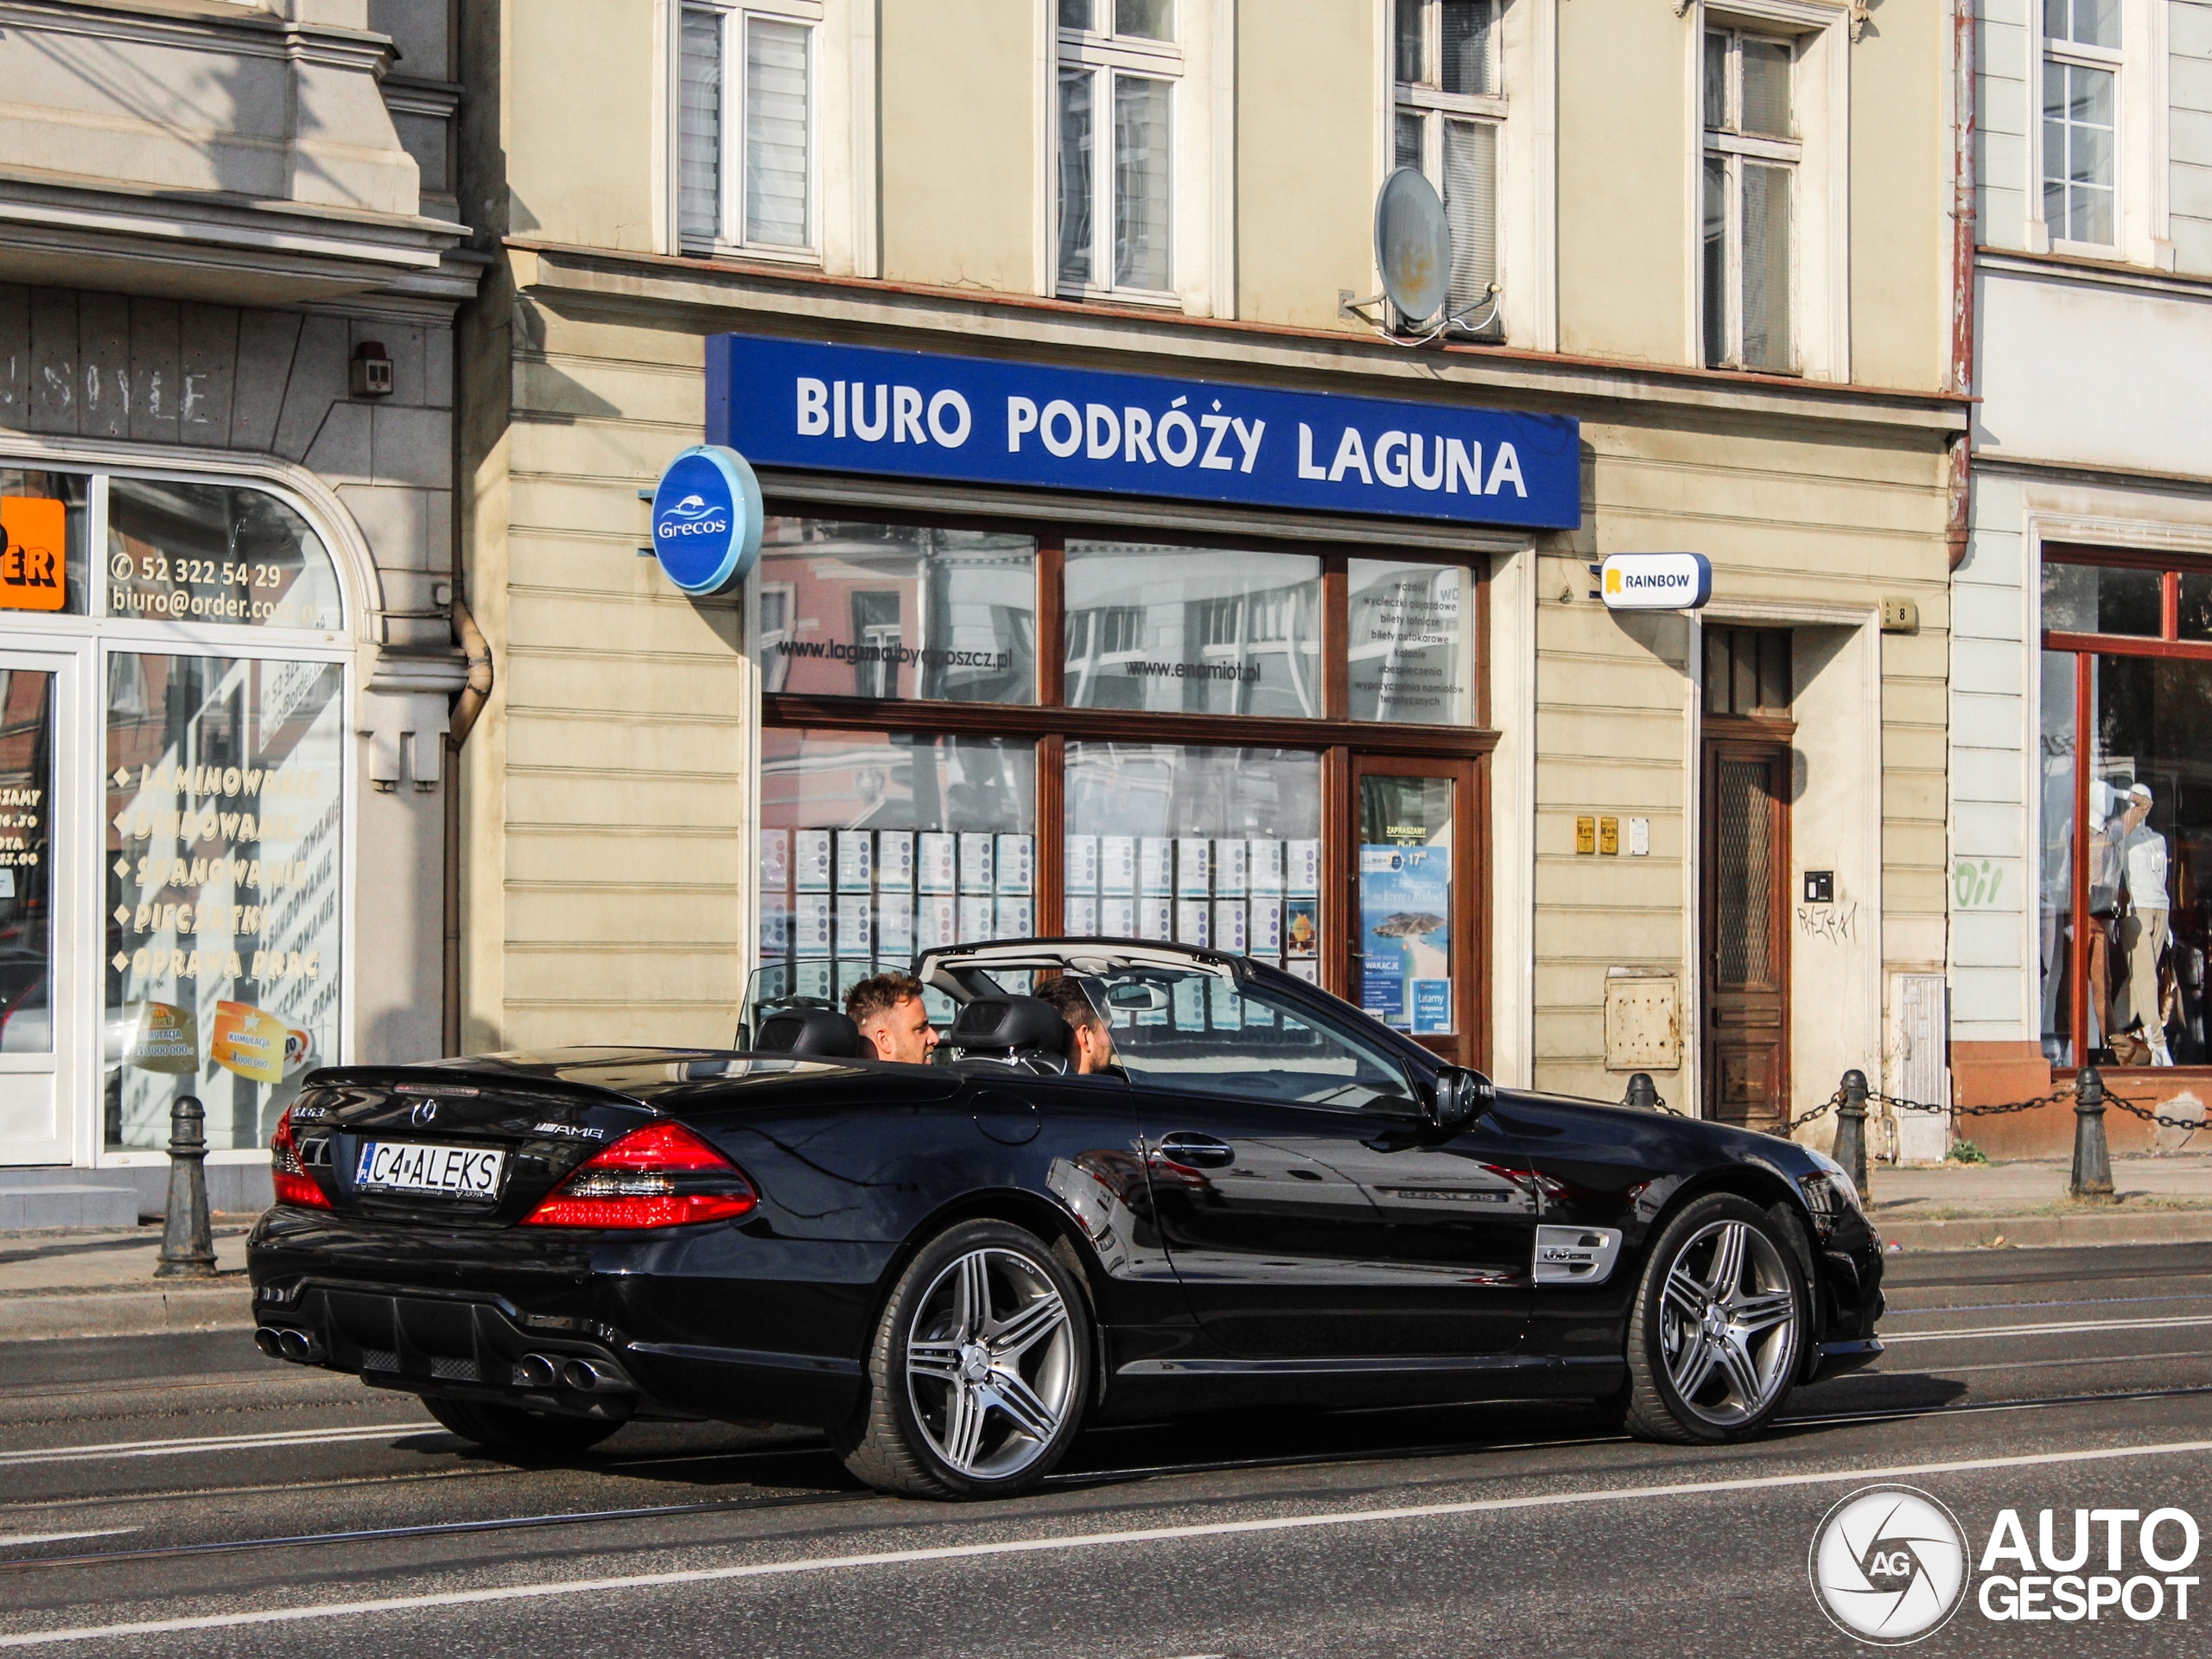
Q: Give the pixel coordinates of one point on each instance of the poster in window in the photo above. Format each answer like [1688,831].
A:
[1194,866]
[1193,922]
[935,863]
[1228,926]
[895,861]
[775,860]
[1016,919]
[1155,918]
[1082,864]
[1302,927]
[1263,931]
[976,918]
[1302,867]
[976,874]
[894,927]
[775,923]
[936,922]
[1117,918]
[1155,867]
[34,557]
[1013,854]
[849,974]
[855,937]
[1405,907]
[810,861]
[856,860]
[1229,864]
[814,980]
[1082,915]
[1117,864]
[811,924]
[1263,857]
[163,1038]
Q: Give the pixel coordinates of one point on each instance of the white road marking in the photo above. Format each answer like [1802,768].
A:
[12,1540]
[2045,1330]
[1073,1541]
[209,1443]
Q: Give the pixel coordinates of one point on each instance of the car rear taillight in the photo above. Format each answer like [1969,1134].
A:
[294,1185]
[662,1175]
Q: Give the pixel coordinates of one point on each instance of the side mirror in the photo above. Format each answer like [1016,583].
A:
[1459,1098]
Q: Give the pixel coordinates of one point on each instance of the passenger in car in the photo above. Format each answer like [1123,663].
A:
[887,1008]
[1090,1045]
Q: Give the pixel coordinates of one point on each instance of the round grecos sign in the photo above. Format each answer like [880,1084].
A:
[707,519]
[1656,581]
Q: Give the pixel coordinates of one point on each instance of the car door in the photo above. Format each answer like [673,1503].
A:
[1307,1204]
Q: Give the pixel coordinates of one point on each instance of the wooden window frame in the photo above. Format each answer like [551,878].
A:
[1335,738]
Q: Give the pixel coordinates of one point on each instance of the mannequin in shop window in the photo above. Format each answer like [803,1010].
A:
[2143,932]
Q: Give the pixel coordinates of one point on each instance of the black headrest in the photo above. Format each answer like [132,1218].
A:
[1002,1023]
[808,1031]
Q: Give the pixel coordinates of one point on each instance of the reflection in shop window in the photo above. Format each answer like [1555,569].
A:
[1194,630]
[850,609]
[223,812]
[190,552]
[1219,848]
[875,847]
[1412,642]
[26,862]
[42,520]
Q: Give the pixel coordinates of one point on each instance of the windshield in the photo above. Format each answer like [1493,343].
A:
[1208,1035]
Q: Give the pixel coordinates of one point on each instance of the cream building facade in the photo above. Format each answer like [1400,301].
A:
[1711,847]
[230,258]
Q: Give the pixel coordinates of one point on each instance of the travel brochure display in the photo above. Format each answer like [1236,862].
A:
[1405,907]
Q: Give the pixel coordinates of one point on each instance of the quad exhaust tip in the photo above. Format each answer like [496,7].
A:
[589,1376]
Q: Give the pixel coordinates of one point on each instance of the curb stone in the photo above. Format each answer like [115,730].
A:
[2047,1232]
[125,1312]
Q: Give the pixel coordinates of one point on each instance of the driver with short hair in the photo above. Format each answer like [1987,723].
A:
[887,1008]
[1091,1044]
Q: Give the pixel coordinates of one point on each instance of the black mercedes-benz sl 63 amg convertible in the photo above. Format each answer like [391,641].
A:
[1260,1196]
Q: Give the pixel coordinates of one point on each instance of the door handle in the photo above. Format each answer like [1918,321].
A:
[1194,1151]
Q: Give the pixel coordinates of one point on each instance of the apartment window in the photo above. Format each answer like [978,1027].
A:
[2081,118]
[1447,124]
[1118,68]
[745,128]
[1752,158]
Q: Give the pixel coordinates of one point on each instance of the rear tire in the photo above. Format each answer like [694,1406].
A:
[512,1432]
[1716,1336]
[980,1372]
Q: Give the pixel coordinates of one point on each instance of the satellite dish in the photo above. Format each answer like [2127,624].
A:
[1412,245]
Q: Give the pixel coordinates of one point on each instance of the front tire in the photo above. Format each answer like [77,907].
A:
[1717,1332]
[980,1371]
[512,1432]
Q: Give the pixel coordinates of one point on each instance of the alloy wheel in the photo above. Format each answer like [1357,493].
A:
[1728,1323]
[991,1367]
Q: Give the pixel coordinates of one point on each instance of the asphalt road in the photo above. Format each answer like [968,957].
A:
[253,1507]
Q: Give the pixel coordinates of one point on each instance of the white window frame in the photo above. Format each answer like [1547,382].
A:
[2140,140]
[1202,236]
[1732,148]
[1434,107]
[1526,112]
[1819,219]
[841,139]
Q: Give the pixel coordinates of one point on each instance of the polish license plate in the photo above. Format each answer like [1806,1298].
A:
[447,1172]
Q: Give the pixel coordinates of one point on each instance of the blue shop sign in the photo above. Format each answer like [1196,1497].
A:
[707,520]
[864,410]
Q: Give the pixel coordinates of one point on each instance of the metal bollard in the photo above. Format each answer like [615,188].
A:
[188,1237]
[1851,1131]
[1642,1092]
[2092,1157]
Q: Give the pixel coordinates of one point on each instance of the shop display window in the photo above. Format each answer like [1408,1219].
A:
[1208,631]
[185,552]
[875,847]
[1412,642]
[224,823]
[2125,853]
[1219,848]
[852,609]
[1144,738]
[26,862]
[43,518]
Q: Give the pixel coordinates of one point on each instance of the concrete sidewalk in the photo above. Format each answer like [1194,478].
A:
[99,1282]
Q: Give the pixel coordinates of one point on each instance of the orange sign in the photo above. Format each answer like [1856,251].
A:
[248,1041]
[35,560]
[162,1038]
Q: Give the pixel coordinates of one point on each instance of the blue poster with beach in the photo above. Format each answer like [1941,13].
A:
[1405,909]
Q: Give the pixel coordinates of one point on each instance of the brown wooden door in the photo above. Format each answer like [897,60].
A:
[1415,941]
[1745,920]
